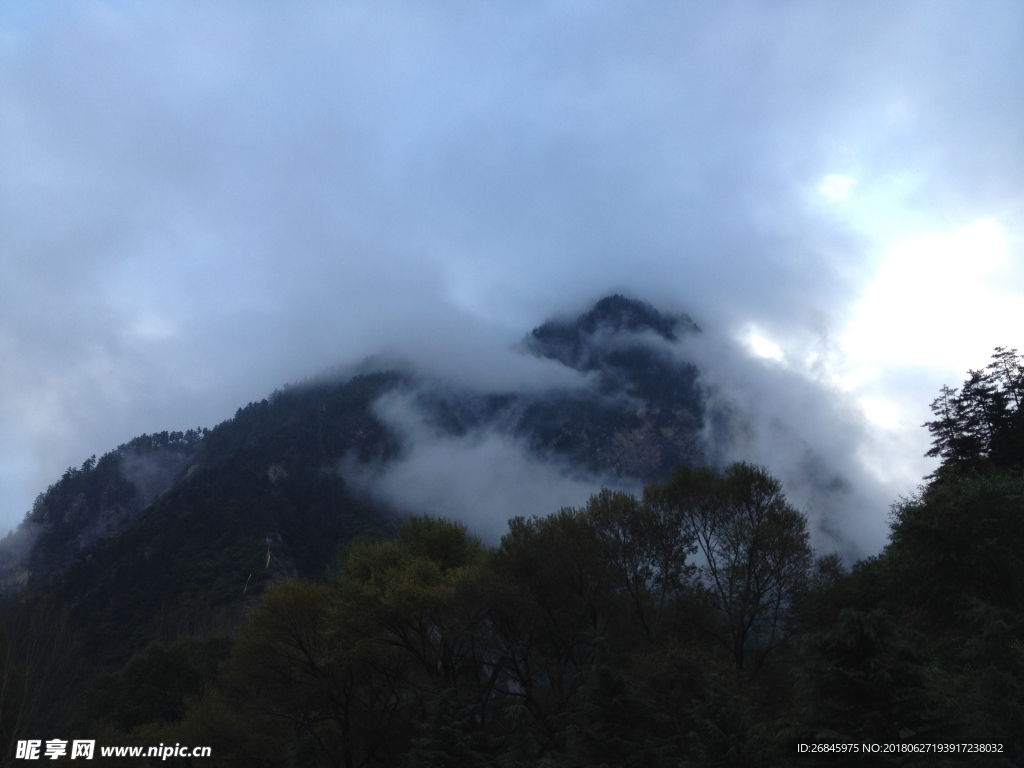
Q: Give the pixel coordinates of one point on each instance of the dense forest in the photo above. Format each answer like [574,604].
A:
[691,625]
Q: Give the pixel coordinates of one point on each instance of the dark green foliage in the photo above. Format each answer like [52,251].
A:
[961,539]
[39,663]
[613,723]
[956,558]
[982,424]
[646,550]
[572,644]
[446,543]
[449,737]
[986,648]
[869,680]
[156,683]
[720,729]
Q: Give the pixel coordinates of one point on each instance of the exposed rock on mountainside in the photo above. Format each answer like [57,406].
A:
[647,412]
[642,416]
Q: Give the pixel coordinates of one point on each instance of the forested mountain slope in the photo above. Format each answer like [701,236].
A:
[168,530]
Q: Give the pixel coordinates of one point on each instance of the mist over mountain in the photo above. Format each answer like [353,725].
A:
[635,411]
[638,413]
[167,518]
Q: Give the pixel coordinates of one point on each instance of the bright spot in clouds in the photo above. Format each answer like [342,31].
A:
[836,187]
[933,302]
[881,412]
[761,346]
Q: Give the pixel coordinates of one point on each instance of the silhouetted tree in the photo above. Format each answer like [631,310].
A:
[981,423]
[756,553]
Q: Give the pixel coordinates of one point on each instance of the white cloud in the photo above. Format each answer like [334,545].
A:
[836,187]
[481,479]
[761,346]
[882,413]
[936,301]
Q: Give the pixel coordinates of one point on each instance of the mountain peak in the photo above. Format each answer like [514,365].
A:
[568,341]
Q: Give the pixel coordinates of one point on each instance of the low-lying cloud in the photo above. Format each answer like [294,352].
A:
[808,433]
[481,478]
[760,410]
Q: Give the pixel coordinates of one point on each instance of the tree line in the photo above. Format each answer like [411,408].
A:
[572,643]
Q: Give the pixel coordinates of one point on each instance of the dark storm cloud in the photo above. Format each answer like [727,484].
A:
[201,202]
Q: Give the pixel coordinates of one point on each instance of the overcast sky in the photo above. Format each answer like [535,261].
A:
[200,202]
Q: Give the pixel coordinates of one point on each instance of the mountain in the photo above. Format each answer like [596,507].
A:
[167,534]
[136,607]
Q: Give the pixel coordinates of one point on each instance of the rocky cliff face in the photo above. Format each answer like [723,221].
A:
[642,415]
[646,413]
